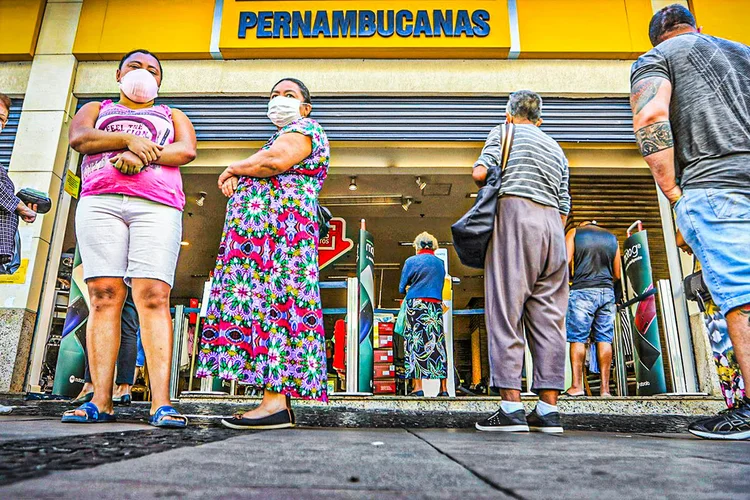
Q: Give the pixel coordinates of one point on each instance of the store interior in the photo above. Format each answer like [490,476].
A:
[399,196]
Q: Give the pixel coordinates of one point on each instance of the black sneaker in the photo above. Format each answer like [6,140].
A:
[549,423]
[731,424]
[504,422]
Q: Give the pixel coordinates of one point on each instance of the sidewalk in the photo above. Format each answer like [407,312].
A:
[42,458]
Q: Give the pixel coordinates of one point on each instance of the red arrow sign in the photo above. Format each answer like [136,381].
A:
[335,245]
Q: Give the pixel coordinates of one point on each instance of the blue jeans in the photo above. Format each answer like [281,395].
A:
[716,225]
[591,309]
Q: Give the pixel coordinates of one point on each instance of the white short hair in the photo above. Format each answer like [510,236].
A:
[525,104]
[425,241]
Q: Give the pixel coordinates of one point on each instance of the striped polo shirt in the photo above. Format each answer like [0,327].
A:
[537,168]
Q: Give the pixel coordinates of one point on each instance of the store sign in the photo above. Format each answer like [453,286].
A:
[370,29]
[335,245]
[364,23]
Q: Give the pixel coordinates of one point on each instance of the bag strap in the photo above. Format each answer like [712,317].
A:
[507,143]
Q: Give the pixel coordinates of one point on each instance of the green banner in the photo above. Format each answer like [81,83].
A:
[71,360]
[365,273]
[649,366]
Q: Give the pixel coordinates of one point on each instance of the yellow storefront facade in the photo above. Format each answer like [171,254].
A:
[405,89]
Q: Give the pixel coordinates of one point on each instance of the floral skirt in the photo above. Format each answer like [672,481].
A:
[264,322]
[424,337]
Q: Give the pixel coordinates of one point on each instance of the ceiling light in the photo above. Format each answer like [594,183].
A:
[406,203]
[201,198]
[353,184]
[420,183]
[361,200]
[185,243]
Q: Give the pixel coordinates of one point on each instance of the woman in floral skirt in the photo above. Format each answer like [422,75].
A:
[264,324]
[422,280]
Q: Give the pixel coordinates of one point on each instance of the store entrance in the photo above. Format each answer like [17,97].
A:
[396,204]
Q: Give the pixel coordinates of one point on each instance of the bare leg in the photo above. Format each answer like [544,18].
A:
[416,384]
[549,396]
[604,354]
[443,385]
[121,390]
[511,395]
[273,402]
[103,337]
[152,302]
[577,356]
[87,387]
[738,324]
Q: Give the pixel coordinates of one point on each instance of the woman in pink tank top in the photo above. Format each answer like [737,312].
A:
[129,227]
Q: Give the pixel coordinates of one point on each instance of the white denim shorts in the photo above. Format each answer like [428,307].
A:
[122,236]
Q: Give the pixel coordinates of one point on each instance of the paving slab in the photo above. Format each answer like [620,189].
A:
[294,463]
[590,465]
[13,428]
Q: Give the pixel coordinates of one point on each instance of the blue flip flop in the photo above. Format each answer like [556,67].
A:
[158,420]
[93,415]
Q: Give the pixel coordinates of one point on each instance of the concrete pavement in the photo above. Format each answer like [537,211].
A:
[360,463]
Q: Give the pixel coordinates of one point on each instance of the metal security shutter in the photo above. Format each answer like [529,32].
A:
[409,118]
[615,202]
[8,135]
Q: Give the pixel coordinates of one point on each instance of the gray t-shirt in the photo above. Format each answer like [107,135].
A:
[710,107]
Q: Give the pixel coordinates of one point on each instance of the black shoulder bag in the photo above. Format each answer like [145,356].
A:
[473,231]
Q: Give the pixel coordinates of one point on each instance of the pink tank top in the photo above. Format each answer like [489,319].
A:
[158,183]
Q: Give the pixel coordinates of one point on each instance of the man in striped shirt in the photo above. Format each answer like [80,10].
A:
[526,272]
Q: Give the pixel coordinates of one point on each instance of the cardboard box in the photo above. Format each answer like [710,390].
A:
[386,328]
[385,340]
[384,386]
[384,370]
[383,356]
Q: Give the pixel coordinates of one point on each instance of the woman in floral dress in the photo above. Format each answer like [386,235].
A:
[264,324]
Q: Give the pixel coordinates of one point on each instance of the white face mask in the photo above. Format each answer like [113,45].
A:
[139,86]
[283,110]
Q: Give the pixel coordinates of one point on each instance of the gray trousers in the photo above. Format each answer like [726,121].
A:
[526,289]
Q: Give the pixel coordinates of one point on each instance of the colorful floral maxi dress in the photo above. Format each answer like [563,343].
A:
[264,323]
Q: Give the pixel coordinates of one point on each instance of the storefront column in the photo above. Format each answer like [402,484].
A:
[39,162]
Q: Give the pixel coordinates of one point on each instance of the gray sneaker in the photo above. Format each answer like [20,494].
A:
[549,423]
[4,410]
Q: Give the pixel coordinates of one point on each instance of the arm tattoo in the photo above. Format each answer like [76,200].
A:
[654,138]
[643,93]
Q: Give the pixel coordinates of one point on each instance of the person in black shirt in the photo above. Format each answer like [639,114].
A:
[595,255]
[691,104]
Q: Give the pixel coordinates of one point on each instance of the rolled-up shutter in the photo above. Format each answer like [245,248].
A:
[8,135]
[409,118]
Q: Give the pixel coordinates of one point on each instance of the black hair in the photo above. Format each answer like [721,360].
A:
[668,19]
[302,88]
[140,51]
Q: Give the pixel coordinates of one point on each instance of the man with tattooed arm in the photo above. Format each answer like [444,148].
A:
[691,103]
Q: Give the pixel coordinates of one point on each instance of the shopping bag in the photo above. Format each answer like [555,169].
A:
[401,320]
[15,262]
[472,232]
